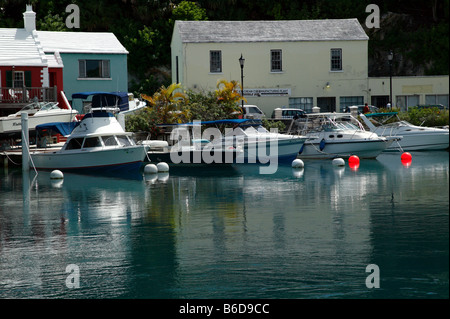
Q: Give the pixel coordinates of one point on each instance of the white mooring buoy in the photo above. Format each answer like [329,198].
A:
[162,167]
[56,174]
[338,162]
[298,163]
[150,169]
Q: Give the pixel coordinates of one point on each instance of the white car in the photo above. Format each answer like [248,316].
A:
[253,112]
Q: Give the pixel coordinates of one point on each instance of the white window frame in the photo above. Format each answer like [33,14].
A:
[15,73]
[306,103]
[276,57]
[336,57]
[215,61]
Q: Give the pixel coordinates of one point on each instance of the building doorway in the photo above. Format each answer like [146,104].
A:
[326,104]
[380,101]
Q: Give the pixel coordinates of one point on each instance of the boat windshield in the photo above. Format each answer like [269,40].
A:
[109,140]
[398,124]
[49,106]
[124,140]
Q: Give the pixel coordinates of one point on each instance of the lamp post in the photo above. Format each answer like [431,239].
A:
[241,62]
[390,58]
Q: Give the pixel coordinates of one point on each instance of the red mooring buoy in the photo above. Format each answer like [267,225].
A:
[353,162]
[406,159]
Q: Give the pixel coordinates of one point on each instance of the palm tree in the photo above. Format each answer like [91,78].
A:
[169,105]
[228,95]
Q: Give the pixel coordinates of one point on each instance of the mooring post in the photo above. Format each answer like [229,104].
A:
[25,144]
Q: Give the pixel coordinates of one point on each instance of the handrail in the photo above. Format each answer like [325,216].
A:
[28,94]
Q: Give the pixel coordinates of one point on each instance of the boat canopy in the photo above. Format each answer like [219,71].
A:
[380,114]
[105,99]
[63,128]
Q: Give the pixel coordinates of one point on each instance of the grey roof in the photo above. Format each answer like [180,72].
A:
[270,31]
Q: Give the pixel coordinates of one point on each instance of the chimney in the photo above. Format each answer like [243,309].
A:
[29,19]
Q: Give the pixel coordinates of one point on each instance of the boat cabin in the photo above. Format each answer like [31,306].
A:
[102,141]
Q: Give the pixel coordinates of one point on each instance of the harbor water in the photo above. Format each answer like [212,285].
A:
[321,232]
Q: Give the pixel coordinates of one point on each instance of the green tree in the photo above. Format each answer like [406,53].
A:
[187,10]
[52,23]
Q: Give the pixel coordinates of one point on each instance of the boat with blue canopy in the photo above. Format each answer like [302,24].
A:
[97,143]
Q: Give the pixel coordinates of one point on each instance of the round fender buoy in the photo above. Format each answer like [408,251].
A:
[298,163]
[338,162]
[162,167]
[150,169]
[56,174]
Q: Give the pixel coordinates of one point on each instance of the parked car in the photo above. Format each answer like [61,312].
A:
[252,112]
[288,113]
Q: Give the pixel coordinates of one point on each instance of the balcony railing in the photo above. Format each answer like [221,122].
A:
[27,94]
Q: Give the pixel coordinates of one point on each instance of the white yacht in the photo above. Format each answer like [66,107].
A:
[333,135]
[97,143]
[414,138]
[258,144]
[38,113]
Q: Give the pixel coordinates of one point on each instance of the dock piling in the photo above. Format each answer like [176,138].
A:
[25,143]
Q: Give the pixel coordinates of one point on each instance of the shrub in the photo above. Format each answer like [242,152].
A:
[426,116]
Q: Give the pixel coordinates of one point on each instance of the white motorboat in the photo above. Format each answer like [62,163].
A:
[414,138]
[196,152]
[258,144]
[187,147]
[38,113]
[333,135]
[97,143]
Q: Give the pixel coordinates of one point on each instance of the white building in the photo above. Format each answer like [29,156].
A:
[295,63]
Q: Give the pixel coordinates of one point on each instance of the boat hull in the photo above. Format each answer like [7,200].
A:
[284,151]
[332,149]
[195,157]
[122,158]
[14,124]
[422,142]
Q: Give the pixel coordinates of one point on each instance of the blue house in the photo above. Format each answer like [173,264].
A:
[93,61]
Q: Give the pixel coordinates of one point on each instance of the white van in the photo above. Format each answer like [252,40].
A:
[252,112]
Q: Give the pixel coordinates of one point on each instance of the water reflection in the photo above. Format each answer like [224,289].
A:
[230,232]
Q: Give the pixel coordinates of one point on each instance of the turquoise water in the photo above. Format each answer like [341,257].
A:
[230,233]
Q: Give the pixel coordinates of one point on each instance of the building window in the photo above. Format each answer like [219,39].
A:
[436,99]
[346,101]
[18,79]
[95,69]
[336,59]
[406,101]
[304,103]
[215,61]
[276,61]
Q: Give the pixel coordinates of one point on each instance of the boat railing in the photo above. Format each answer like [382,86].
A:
[28,94]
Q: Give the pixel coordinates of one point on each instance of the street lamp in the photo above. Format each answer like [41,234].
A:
[390,58]
[241,62]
